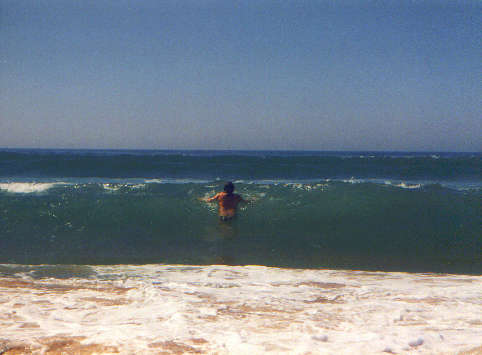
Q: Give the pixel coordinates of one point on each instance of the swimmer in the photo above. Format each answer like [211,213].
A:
[227,201]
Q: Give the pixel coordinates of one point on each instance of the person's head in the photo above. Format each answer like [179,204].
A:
[229,187]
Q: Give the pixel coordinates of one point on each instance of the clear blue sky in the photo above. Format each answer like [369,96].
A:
[253,74]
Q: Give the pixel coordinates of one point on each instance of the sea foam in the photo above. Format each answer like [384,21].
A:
[27,187]
[240,310]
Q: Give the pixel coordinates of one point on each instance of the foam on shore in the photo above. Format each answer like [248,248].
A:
[236,310]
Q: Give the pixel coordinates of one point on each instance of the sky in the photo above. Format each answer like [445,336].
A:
[252,74]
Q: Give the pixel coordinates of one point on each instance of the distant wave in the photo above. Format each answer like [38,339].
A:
[122,185]
[245,166]
[404,185]
[113,185]
[27,187]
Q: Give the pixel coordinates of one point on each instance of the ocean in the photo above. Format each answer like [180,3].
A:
[346,210]
[114,252]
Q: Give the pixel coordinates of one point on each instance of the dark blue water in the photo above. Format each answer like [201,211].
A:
[234,165]
[352,210]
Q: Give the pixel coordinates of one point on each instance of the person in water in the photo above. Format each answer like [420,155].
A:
[227,201]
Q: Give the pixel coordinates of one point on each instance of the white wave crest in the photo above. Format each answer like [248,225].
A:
[352,180]
[115,187]
[157,181]
[177,181]
[404,185]
[111,187]
[27,187]
[400,184]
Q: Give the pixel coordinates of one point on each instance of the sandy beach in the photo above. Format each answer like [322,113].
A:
[240,177]
[172,309]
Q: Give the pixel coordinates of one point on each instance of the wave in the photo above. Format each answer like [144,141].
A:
[358,210]
[42,186]
[27,187]
[404,185]
[400,184]
[209,166]
[293,224]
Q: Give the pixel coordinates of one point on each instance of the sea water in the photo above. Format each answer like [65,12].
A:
[364,210]
[111,246]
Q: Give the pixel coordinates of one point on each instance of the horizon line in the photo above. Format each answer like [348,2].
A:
[242,150]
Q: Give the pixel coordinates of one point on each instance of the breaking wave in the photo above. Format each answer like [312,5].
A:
[387,226]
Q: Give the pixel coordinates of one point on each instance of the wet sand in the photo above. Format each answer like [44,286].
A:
[173,309]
